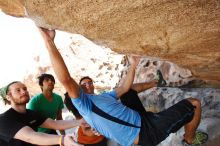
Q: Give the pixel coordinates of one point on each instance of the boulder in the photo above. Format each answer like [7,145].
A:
[184,32]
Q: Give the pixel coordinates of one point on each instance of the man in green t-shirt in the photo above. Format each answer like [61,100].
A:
[47,103]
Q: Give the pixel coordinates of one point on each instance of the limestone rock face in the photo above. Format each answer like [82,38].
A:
[13,7]
[185,32]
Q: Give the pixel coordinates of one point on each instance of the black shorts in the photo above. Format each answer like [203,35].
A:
[155,127]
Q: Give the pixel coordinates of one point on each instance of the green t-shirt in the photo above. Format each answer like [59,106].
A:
[46,108]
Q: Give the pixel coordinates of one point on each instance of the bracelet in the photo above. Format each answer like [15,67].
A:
[62,140]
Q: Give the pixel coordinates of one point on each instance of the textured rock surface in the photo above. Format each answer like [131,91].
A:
[13,7]
[174,75]
[182,31]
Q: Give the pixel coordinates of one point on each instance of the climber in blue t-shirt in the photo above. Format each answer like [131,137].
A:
[126,122]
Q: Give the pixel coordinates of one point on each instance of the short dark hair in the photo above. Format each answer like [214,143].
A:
[44,76]
[83,78]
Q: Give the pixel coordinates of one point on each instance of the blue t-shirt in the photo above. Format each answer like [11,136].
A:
[107,102]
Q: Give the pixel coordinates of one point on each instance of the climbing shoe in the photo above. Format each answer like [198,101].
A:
[199,140]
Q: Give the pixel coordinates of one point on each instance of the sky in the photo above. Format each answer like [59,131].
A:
[20,42]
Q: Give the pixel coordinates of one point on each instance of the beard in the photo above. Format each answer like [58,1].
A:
[22,100]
